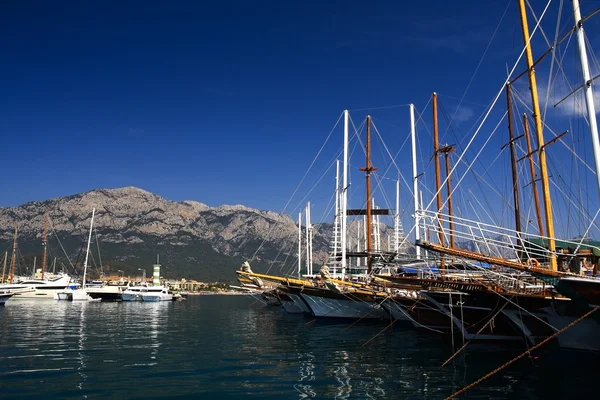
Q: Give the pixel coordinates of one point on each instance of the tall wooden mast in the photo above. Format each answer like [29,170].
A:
[14,256]
[436,157]
[513,160]
[44,242]
[540,136]
[438,183]
[536,197]
[368,169]
[447,150]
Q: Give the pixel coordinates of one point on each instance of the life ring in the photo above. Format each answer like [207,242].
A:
[532,262]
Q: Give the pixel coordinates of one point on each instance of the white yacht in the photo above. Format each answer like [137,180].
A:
[37,288]
[147,293]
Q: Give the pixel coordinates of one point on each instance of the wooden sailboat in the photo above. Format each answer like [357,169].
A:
[569,295]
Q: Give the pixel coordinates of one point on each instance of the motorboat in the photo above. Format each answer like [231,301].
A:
[147,293]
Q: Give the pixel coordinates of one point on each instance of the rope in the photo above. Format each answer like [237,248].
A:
[380,332]
[527,352]
[478,332]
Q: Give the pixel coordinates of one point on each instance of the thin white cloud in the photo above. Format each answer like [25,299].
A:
[463,114]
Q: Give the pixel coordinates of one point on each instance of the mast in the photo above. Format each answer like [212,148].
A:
[438,184]
[397,220]
[587,81]
[336,221]
[14,256]
[307,214]
[436,156]
[425,233]
[44,243]
[540,137]
[344,199]
[368,169]
[4,266]
[447,150]
[87,252]
[358,239]
[513,161]
[536,197]
[413,141]
[299,243]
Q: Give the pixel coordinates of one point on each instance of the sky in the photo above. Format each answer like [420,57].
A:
[229,102]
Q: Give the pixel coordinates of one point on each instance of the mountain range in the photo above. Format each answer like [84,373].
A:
[132,226]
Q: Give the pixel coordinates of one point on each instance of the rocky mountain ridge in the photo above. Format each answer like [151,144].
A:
[130,221]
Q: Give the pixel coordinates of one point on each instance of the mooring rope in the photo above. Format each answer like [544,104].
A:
[527,352]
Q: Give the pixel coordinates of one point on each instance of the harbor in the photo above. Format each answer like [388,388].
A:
[298,201]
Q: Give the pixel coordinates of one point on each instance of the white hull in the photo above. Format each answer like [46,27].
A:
[150,294]
[37,288]
[74,295]
[342,308]
[40,294]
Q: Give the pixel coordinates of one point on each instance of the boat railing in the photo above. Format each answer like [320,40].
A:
[495,241]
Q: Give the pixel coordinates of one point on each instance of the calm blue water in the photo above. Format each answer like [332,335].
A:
[217,347]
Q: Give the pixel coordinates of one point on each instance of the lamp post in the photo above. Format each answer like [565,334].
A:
[143,273]
[121,274]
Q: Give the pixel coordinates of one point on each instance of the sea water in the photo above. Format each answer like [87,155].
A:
[226,347]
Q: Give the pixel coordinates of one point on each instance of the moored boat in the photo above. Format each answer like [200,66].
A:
[4,296]
[147,293]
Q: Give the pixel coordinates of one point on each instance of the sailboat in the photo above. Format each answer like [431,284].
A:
[568,295]
[80,294]
[33,288]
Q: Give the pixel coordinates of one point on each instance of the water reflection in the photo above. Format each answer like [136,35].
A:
[219,347]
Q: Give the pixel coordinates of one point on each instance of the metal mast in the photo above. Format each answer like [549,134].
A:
[299,244]
[44,242]
[14,256]
[344,199]
[397,220]
[335,243]
[413,141]
[587,82]
[87,252]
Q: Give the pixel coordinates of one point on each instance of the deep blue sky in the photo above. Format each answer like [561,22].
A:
[223,102]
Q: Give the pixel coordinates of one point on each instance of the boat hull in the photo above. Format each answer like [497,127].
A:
[292,303]
[328,304]
[106,293]
[4,298]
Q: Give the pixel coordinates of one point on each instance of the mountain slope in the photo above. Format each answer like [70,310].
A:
[133,225]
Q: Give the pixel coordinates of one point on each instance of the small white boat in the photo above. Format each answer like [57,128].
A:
[147,293]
